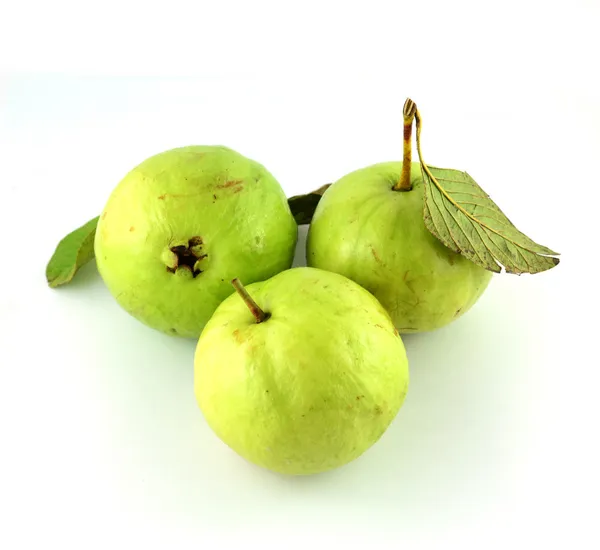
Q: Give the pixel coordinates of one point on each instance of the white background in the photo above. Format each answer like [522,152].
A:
[101,441]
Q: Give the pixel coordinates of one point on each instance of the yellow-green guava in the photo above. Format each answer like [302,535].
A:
[181,224]
[312,386]
[376,236]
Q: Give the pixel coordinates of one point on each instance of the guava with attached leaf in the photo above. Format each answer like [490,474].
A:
[365,229]
[300,373]
[183,223]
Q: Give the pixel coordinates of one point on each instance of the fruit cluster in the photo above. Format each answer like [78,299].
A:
[393,248]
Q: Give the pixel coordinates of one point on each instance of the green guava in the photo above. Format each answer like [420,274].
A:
[312,386]
[376,236]
[181,224]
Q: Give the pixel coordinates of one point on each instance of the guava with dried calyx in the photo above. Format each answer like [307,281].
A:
[183,223]
[424,240]
[301,373]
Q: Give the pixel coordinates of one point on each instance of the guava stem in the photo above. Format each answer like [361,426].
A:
[258,313]
[404,184]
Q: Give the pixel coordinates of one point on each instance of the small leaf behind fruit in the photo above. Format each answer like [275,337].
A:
[462,216]
[72,252]
[303,206]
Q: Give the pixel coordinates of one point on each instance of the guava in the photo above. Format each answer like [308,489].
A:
[367,231]
[302,374]
[183,223]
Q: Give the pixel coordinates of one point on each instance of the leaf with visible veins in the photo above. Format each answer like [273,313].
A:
[462,216]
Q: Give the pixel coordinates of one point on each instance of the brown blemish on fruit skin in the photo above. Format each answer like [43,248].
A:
[230,183]
[379,326]
[458,312]
[162,197]
[376,256]
[396,332]
[104,215]
[378,410]
[131,229]
[238,189]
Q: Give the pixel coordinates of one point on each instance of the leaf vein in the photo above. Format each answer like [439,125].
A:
[445,193]
[461,229]
[458,247]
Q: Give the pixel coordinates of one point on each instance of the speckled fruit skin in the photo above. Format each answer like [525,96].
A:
[212,194]
[312,387]
[377,237]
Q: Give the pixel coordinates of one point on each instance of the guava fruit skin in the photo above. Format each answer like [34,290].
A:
[309,389]
[231,202]
[377,237]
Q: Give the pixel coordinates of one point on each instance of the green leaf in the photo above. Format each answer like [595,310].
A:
[303,206]
[462,216]
[73,252]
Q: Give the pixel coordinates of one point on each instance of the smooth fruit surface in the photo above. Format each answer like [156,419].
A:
[313,386]
[377,237]
[181,224]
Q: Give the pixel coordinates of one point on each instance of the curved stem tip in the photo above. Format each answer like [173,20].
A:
[404,184]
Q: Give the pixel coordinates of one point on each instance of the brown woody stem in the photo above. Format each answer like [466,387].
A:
[404,184]
[258,313]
